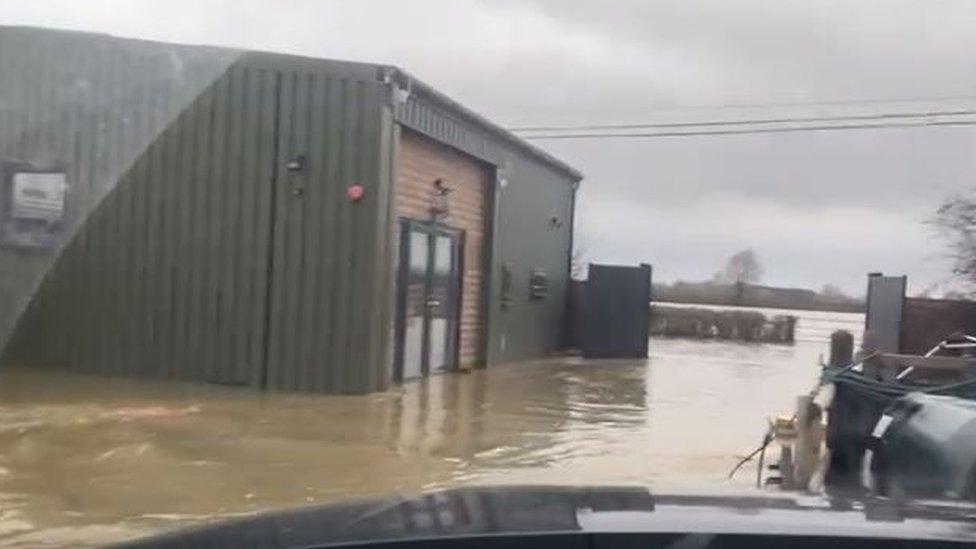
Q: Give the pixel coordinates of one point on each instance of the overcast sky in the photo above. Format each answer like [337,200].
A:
[817,207]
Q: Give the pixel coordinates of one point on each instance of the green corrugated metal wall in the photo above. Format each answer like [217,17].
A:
[534,194]
[211,260]
[88,104]
[324,308]
[192,251]
[136,290]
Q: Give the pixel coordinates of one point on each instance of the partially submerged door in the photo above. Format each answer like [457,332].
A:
[428,299]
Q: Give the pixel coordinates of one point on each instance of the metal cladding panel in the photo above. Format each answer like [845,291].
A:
[211,260]
[85,105]
[322,299]
[166,278]
[885,307]
[530,229]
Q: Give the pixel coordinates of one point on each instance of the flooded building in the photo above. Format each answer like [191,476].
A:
[257,219]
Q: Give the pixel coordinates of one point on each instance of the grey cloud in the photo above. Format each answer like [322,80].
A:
[906,169]
[818,207]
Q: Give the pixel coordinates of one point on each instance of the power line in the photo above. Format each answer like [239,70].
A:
[817,103]
[748,122]
[756,130]
[824,102]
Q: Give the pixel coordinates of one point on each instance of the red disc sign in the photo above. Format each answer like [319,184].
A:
[355,192]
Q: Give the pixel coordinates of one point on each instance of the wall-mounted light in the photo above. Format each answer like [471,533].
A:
[400,95]
[297,164]
[399,84]
[438,199]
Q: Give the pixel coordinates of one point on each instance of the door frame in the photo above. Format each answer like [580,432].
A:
[433,229]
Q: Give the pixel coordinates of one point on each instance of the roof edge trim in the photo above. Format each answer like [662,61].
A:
[422,88]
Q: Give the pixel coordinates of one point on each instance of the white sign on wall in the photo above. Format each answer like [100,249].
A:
[38,196]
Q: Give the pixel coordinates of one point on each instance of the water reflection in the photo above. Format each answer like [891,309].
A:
[91,459]
[517,416]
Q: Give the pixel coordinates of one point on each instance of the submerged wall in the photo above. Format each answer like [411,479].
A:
[197,250]
[205,232]
[84,106]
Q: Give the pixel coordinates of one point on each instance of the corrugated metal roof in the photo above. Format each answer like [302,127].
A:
[417,86]
[428,91]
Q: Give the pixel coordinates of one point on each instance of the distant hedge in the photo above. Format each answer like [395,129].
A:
[713,324]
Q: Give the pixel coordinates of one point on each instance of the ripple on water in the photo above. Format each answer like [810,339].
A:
[92,460]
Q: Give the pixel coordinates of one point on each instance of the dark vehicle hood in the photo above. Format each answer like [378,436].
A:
[472,512]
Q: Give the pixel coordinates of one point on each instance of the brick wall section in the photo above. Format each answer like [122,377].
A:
[421,161]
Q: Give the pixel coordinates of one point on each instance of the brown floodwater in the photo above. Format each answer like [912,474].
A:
[90,460]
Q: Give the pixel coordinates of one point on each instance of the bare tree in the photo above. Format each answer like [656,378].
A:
[742,268]
[956,221]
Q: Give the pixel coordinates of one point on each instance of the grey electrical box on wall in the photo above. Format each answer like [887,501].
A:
[32,207]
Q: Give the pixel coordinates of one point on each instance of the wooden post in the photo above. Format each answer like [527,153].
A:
[809,437]
[841,348]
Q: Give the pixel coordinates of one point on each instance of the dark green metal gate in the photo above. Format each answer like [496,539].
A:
[617,311]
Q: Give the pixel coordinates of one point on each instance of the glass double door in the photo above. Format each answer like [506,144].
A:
[429,298]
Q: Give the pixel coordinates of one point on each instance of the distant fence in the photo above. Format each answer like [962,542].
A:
[712,324]
[926,322]
[911,325]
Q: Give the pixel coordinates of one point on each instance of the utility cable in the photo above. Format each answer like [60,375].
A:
[747,122]
[790,129]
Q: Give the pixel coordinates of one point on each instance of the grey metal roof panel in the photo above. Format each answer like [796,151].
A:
[357,69]
[422,88]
